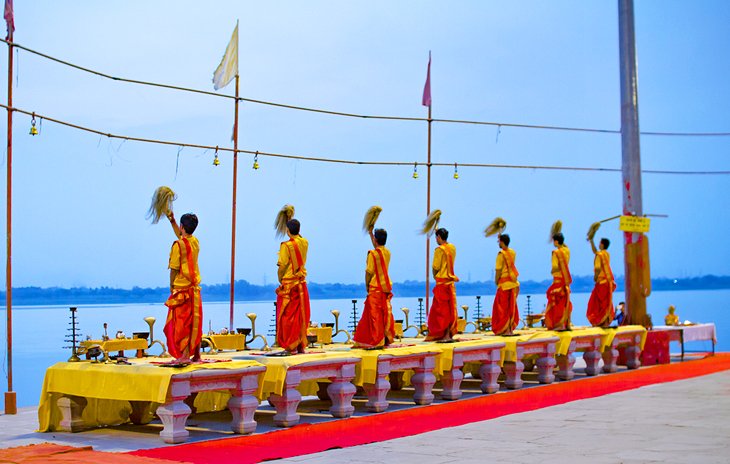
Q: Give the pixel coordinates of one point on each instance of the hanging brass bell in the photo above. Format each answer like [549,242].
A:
[255,164]
[415,174]
[216,161]
[456,175]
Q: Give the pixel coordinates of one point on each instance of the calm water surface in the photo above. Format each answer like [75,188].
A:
[39,331]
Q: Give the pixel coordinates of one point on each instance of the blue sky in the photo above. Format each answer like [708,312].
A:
[80,199]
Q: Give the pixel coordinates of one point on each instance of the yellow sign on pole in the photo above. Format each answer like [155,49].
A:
[635,224]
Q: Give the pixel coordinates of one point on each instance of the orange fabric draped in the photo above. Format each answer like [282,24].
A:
[559,307]
[600,305]
[442,316]
[292,306]
[505,315]
[183,327]
[377,326]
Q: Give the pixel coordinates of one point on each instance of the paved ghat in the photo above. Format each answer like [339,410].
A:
[687,421]
[683,421]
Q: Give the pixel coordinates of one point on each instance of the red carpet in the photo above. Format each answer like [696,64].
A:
[312,438]
[50,453]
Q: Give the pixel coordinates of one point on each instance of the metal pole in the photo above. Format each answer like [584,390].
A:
[428,211]
[10,398]
[233,207]
[630,159]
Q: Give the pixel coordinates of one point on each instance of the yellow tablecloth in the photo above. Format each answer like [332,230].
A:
[399,329]
[109,387]
[367,368]
[609,334]
[324,334]
[118,344]
[510,349]
[277,366]
[229,342]
[447,353]
[566,336]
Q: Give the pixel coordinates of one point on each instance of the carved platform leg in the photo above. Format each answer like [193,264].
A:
[632,357]
[71,409]
[513,374]
[423,381]
[565,366]
[377,395]
[341,391]
[141,412]
[243,405]
[610,356]
[286,404]
[396,381]
[451,381]
[592,358]
[545,367]
[489,372]
[173,415]
[242,408]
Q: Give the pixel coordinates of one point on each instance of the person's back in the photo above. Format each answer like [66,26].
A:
[183,327]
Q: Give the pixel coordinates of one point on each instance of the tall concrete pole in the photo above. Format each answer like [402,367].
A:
[631,163]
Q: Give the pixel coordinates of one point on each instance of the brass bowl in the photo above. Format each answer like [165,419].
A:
[145,335]
[311,339]
[243,330]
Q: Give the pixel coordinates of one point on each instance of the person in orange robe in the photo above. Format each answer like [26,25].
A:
[292,296]
[505,314]
[559,307]
[184,324]
[376,326]
[442,316]
[600,311]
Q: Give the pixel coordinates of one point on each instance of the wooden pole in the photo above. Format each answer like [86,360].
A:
[428,211]
[233,207]
[631,162]
[10,398]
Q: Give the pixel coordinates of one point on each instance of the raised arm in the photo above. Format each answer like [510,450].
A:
[173,223]
[593,246]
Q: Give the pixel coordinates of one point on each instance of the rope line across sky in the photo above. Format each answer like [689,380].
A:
[354,115]
[342,161]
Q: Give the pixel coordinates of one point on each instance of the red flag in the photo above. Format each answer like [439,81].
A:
[9,18]
[427,88]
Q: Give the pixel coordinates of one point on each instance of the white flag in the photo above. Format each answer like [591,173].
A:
[228,69]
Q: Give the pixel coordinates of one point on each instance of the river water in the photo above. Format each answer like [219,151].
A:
[39,331]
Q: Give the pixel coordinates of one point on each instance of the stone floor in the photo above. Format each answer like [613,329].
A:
[686,421]
[683,421]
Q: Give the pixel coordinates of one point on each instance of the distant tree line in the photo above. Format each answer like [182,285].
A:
[247,291]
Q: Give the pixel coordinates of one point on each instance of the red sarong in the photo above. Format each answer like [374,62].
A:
[559,307]
[376,326]
[183,327]
[442,315]
[292,315]
[505,315]
[600,305]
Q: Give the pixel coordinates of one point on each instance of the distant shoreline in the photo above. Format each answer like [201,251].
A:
[246,291]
